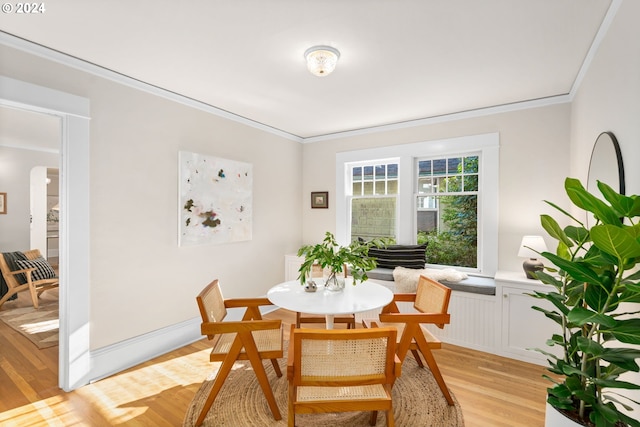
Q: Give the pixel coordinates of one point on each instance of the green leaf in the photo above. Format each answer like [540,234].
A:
[622,357]
[596,297]
[577,270]
[554,298]
[560,403]
[580,316]
[573,186]
[622,204]
[560,390]
[635,276]
[553,315]
[553,228]
[563,211]
[616,384]
[635,210]
[631,422]
[627,331]
[589,346]
[604,415]
[615,241]
[571,370]
[631,292]
[577,234]
[548,279]
[587,201]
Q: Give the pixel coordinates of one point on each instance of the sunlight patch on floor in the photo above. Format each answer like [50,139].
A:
[39,327]
[118,405]
[34,414]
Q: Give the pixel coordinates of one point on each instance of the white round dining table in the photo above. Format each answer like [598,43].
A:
[364,296]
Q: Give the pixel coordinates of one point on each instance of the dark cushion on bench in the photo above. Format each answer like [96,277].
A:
[392,256]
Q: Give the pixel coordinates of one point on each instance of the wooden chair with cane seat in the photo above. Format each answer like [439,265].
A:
[338,370]
[431,300]
[348,319]
[250,339]
[35,286]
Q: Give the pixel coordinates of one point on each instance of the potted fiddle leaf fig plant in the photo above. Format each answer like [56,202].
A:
[333,257]
[595,297]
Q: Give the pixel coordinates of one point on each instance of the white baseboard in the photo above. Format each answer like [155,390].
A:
[110,360]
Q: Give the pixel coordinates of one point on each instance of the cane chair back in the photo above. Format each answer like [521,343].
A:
[250,339]
[431,300]
[341,371]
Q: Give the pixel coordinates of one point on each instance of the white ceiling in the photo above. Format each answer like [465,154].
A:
[400,60]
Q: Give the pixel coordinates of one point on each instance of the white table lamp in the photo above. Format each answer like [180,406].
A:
[529,248]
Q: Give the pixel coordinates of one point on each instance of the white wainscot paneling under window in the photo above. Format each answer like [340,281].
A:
[475,322]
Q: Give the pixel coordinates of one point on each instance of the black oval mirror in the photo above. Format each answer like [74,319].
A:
[605,165]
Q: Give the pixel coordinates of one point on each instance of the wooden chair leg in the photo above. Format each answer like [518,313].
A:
[252,353]
[221,376]
[276,367]
[374,418]
[34,295]
[291,419]
[390,421]
[416,356]
[431,361]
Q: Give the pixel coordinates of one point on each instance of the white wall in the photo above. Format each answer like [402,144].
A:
[609,100]
[141,280]
[609,97]
[15,169]
[534,160]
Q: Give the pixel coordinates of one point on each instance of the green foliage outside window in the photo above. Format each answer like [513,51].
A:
[455,243]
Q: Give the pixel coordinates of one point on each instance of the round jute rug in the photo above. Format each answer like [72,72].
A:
[417,401]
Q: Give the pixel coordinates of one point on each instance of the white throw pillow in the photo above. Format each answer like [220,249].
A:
[406,279]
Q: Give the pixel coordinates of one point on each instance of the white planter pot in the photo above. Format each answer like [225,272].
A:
[553,418]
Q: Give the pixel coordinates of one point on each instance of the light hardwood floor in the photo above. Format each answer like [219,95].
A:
[492,391]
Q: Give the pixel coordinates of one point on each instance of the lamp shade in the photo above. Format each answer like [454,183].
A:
[530,246]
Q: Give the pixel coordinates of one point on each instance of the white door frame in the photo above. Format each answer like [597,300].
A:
[74,350]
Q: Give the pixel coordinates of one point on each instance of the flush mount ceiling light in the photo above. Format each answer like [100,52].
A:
[321,60]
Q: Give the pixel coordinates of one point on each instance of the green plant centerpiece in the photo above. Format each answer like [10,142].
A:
[595,297]
[330,255]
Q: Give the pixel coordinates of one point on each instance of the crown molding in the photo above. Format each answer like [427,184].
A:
[82,65]
[53,55]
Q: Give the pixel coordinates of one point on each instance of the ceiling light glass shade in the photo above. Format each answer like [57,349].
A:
[321,60]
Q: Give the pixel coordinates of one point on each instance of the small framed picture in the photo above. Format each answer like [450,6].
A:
[3,203]
[319,199]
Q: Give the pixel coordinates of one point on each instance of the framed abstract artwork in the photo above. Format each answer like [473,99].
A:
[319,199]
[3,203]
[215,200]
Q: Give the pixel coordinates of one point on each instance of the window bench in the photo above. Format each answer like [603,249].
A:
[473,284]
[490,315]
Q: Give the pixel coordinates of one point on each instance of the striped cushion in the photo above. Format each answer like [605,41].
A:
[408,256]
[42,268]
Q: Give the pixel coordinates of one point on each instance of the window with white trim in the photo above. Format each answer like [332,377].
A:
[373,200]
[445,186]
[447,209]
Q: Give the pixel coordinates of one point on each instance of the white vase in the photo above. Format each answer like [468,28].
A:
[553,418]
